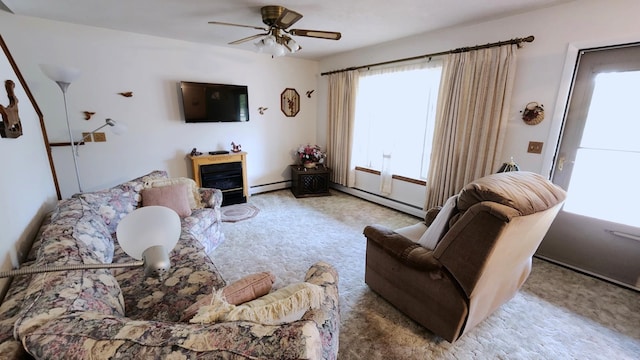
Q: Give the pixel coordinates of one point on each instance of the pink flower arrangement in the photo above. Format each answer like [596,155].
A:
[310,153]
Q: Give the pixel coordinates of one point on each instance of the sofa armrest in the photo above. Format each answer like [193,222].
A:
[210,198]
[327,317]
[89,335]
[405,250]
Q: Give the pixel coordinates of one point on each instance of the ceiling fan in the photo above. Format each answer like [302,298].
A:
[276,35]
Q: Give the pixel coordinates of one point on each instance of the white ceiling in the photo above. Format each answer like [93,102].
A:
[361,22]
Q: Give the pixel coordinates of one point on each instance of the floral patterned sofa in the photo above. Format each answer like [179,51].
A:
[120,314]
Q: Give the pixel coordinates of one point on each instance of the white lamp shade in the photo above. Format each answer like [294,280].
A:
[119,128]
[146,227]
[278,50]
[60,73]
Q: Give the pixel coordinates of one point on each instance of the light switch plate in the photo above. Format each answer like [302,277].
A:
[535,147]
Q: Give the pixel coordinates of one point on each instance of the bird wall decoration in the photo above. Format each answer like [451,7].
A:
[88,114]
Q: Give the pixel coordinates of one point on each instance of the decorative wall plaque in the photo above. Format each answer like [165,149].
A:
[290,102]
[533,113]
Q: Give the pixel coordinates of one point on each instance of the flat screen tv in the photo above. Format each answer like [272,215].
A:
[203,102]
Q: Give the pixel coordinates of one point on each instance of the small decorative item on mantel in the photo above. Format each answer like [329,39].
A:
[236,147]
[310,156]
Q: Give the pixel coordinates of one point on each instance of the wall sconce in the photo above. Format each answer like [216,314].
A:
[147,234]
[116,127]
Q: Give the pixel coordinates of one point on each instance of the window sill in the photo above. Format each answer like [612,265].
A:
[395,177]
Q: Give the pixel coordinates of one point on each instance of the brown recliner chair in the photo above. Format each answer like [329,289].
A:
[469,256]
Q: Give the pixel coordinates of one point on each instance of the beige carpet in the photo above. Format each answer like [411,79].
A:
[559,314]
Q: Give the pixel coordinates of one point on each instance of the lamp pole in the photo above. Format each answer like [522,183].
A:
[64,86]
[64,76]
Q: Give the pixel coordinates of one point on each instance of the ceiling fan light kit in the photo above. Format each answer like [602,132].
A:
[277,45]
[276,40]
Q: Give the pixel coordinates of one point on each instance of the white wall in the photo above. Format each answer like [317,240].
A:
[541,75]
[151,67]
[27,190]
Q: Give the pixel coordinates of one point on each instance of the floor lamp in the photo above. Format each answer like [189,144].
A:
[147,234]
[64,76]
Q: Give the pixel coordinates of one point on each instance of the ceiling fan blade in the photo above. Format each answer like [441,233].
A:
[238,25]
[331,35]
[287,18]
[248,38]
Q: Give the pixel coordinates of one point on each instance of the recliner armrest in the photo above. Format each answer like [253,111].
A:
[407,251]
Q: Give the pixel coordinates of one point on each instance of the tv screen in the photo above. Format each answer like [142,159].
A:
[214,102]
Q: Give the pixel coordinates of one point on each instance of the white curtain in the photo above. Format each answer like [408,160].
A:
[471,119]
[342,95]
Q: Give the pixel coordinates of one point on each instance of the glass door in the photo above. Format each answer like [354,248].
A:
[598,163]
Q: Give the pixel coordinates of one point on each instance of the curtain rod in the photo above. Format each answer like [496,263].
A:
[517,41]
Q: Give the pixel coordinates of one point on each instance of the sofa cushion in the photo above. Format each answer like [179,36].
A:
[193,191]
[174,197]
[192,276]
[284,305]
[413,232]
[247,288]
[76,218]
[115,203]
[281,306]
[439,225]
[70,240]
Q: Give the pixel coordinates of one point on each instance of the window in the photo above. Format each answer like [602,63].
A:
[608,152]
[394,119]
